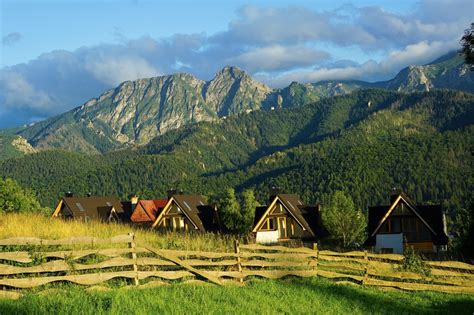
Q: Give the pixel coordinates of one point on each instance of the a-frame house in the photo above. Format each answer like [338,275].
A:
[188,213]
[106,209]
[287,218]
[404,224]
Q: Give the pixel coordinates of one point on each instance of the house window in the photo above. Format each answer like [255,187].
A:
[269,224]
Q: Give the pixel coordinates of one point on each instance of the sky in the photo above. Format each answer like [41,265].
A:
[55,55]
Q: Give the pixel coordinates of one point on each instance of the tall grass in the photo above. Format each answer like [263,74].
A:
[290,296]
[12,225]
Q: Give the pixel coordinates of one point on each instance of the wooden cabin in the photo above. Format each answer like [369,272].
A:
[146,211]
[404,224]
[188,213]
[107,209]
[287,218]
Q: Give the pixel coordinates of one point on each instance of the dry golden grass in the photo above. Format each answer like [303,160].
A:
[12,225]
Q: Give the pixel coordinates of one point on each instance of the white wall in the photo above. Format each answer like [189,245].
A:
[394,241]
[267,237]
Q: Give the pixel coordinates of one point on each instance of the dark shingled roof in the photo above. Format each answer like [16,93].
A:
[432,214]
[204,216]
[93,207]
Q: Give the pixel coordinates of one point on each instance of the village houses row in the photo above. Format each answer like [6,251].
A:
[390,227]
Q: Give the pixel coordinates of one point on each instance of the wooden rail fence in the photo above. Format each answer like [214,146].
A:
[27,263]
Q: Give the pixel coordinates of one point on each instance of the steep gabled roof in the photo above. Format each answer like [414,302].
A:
[431,216]
[292,204]
[93,207]
[151,208]
[396,200]
[194,207]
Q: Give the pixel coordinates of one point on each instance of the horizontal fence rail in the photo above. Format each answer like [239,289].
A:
[29,263]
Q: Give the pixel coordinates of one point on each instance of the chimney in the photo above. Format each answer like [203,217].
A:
[394,194]
[274,191]
[171,192]
[134,201]
[69,194]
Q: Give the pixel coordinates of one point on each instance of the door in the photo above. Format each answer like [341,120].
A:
[282,227]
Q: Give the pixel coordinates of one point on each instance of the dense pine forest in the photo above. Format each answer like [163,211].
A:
[364,143]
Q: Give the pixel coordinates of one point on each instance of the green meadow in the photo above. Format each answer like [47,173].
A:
[289,296]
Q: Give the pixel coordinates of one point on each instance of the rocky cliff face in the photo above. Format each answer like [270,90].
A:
[448,72]
[137,111]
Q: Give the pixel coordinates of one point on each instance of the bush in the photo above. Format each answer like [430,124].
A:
[413,262]
[13,198]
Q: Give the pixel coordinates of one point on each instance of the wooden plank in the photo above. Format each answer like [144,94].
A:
[281,263]
[277,248]
[379,265]
[451,264]
[394,257]
[75,240]
[270,274]
[287,256]
[420,286]
[332,275]
[174,258]
[61,265]
[132,246]
[91,279]
[209,255]
[451,273]
[396,274]
[342,266]
[239,260]
[346,254]
[25,257]
[341,259]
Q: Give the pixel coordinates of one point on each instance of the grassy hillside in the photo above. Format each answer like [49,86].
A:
[365,143]
[12,225]
[294,296]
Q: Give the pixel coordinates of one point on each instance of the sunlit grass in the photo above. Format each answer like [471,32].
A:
[290,296]
[12,225]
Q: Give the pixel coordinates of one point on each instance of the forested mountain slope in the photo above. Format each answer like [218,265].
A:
[365,143]
[136,112]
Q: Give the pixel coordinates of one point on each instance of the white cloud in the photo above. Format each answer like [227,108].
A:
[278,57]
[420,53]
[114,70]
[17,92]
[277,45]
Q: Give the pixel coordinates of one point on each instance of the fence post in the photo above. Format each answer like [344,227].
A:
[239,262]
[366,267]
[134,257]
[315,247]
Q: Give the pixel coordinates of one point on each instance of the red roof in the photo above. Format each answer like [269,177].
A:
[151,207]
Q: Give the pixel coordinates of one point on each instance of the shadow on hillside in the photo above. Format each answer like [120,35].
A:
[375,300]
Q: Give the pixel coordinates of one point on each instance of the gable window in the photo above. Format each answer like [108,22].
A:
[413,229]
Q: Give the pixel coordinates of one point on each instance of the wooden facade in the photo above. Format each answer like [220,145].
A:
[187,213]
[288,218]
[403,224]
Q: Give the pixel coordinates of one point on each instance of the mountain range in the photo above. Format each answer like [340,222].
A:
[365,142]
[136,112]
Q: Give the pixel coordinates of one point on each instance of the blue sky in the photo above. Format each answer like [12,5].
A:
[55,55]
